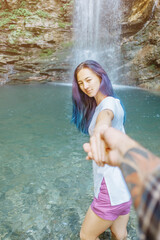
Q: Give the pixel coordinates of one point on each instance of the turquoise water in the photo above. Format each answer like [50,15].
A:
[45,183]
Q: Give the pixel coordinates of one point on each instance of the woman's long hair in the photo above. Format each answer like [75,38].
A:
[84,106]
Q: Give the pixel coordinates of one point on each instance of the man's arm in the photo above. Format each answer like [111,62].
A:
[135,162]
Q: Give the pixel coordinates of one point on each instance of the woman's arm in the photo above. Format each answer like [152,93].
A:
[98,147]
[103,121]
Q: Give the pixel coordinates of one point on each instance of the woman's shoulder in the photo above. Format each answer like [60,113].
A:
[110,103]
[109,100]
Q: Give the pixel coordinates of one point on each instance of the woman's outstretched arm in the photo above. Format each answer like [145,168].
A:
[97,143]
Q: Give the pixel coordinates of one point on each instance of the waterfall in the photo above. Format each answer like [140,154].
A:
[97,31]
[5,76]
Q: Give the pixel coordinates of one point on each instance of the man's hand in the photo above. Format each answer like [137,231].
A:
[105,147]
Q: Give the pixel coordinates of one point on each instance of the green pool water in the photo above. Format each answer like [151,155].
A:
[45,182]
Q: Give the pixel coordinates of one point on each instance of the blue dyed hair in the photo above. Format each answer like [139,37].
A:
[84,106]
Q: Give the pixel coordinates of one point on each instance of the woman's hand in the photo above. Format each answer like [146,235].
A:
[97,148]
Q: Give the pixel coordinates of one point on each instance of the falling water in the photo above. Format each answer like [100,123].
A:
[5,76]
[97,31]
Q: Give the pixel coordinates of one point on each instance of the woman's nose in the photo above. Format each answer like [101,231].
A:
[85,85]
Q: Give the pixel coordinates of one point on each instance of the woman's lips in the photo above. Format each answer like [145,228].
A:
[88,91]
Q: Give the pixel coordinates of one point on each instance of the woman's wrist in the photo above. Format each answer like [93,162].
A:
[99,129]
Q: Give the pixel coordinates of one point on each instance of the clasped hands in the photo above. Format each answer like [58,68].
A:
[103,147]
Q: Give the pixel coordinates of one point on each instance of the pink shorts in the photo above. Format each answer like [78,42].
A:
[102,206]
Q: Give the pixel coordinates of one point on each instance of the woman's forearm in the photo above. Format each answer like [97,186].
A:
[104,120]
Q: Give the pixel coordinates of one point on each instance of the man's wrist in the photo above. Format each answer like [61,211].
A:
[127,144]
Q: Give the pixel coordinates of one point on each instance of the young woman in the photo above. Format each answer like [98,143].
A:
[95,109]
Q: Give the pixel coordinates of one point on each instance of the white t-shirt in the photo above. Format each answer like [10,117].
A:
[116,185]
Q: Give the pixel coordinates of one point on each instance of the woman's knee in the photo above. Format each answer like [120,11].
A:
[119,234]
[83,235]
[86,236]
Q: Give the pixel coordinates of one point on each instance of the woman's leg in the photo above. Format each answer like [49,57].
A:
[93,226]
[119,227]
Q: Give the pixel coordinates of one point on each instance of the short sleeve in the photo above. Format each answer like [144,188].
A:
[109,103]
[114,105]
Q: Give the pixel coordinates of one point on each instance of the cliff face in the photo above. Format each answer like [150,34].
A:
[31,32]
[141,44]
[36,37]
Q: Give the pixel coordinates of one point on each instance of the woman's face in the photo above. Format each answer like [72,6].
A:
[88,82]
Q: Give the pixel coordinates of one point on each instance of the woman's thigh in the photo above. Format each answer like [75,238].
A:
[119,226]
[93,225]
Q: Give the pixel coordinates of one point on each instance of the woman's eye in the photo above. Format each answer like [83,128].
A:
[88,80]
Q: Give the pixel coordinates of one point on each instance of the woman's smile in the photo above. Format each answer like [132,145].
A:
[89,91]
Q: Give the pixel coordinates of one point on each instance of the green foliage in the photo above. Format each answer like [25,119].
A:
[5,14]
[64,24]
[43,14]
[66,5]
[14,35]
[4,21]
[23,4]
[61,24]
[6,17]
[67,44]
[62,9]
[12,27]
[13,17]
[152,67]
[22,12]
[65,8]
[46,52]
